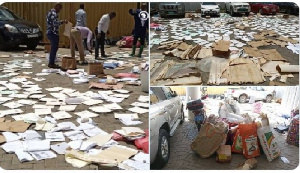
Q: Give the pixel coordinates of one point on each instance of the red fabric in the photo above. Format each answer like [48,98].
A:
[117,137]
[153,25]
[128,41]
[143,143]
[124,75]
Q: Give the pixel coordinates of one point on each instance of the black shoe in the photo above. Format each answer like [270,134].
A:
[97,58]
[104,56]
[53,66]
[83,62]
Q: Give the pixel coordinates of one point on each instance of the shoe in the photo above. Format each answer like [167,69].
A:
[140,51]
[104,56]
[83,62]
[133,51]
[53,66]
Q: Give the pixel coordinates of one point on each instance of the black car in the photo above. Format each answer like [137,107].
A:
[287,7]
[15,31]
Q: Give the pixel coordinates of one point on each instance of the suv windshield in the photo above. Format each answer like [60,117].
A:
[209,3]
[7,15]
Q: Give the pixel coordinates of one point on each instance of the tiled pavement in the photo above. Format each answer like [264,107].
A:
[183,158]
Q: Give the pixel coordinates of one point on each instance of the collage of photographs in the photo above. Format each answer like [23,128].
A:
[147,85]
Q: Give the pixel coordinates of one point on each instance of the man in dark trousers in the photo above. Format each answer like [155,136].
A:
[52,32]
[103,26]
[140,28]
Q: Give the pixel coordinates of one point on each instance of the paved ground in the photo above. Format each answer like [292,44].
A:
[106,122]
[187,26]
[183,158]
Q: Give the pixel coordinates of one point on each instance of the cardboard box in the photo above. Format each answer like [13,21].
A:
[68,63]
[95,68]
[285,16]
[224,154]
[221,49]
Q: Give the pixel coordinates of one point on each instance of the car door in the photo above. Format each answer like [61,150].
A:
[173,107]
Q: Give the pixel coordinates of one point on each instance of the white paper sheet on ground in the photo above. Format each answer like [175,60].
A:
[100,139]
[55,103]
[5,99]
[36,145]
[133,116]
[45,99]
[48,126]
[12,86]
[77,136]
[54,89]
[85,126]
[41,155]
[110,143]
[128,121]
[42,74]
[23,156]
[109,92]
[9,136]
[60,148]
[37,96]
[29,135]
[85,120]
[61,115]
[11,147]
[138,110]
[86,114]
[55,136]
[26,102]
[36,106]
[91,102]
[142,157]
[20,96]
[113,106]
[114,99]
[59,95]
[10,112]
[87,145]
[74,101]
[42,111]
[122,91]
[26,117]
[39,79]
[139,104]
[50,119]
[67,90]
[75,144]
[120,95]
[137,165]
[12,105]
[143,99]
[94,131]
[66,125]
[100,109]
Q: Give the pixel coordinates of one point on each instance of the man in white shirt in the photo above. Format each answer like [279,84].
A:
[103,26]
[80,16]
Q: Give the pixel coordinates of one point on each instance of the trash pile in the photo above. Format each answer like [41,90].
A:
[40,122]
[236,50]
[243,130]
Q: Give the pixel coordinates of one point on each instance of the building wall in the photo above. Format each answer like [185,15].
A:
[36,11]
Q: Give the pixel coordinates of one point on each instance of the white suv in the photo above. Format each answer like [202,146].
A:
[258,93]
[210,8]
[166,113]
[237,7]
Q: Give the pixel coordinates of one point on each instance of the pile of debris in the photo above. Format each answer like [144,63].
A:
[246,44]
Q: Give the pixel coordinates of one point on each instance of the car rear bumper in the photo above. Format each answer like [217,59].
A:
[21,38]
[210,12]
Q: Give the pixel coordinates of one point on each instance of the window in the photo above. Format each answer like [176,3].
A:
[168,92]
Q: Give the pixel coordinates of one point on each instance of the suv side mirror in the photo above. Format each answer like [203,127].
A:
[174,94]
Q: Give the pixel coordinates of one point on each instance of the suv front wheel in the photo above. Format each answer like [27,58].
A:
[163,152]
[32,46]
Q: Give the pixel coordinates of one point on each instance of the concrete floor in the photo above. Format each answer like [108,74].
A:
[106,122]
